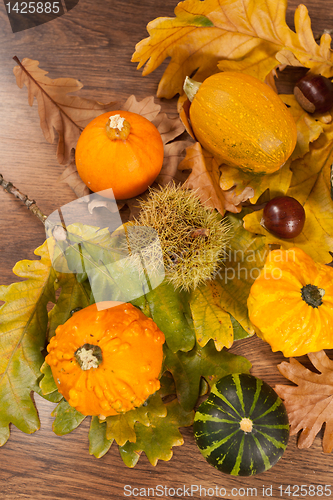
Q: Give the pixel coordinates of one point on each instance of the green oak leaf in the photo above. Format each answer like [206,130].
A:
[168,308]
[241,266]
[158,439]
[66,419]
[121,427]
[73,294]
[48,387]
[210,320]
[23,328]
[187,369]
[98,442]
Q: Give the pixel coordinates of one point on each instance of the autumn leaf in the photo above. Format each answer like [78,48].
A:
[121,427]
[58,111]
[157,439]
[244,258]
[66,418]
[73,294]
[22,338]
[310,403]
[209,318]
[187,368]
[98,442]
[206,35]
[169,309]
[204,179]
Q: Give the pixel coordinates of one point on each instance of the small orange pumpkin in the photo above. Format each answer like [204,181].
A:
[108,361]
[291,303]
[119,150]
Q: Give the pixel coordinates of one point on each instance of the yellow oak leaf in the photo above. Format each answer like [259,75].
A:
[310,403]
[249,33]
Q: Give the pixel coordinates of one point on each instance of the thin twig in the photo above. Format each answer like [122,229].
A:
[30,204]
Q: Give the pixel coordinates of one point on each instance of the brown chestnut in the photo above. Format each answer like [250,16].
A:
[314,93]
[284,217]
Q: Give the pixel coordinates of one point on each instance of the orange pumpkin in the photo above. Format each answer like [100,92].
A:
[291,303]
[106,362]
[119,150]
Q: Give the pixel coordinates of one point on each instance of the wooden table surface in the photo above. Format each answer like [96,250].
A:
[94,43]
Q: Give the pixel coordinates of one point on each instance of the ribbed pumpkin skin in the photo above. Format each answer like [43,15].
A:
[132,350]
[128,166]
[217,426]
[280,314]
[243,122]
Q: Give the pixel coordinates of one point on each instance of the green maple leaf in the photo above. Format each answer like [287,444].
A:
[22,337]
[157,439]
[187,369]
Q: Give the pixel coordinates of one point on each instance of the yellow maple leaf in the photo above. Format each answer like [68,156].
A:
[251,33]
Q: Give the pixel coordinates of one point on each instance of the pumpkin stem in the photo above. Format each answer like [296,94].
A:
[117,128]
[312,295]
[191,87]
[246,425]
[89,356]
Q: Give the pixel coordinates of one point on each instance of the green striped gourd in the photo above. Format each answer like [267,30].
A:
[242,428]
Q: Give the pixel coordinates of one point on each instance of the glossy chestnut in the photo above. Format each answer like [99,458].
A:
[314,93]
[284,217]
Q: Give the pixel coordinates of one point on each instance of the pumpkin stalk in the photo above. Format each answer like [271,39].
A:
[312,295]
[89,356]
[191,87]
[117,128]
[246,425]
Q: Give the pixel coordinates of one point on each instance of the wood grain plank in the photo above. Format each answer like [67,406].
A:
[94,43]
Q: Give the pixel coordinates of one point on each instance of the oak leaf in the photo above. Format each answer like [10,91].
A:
[157,439]
[58,111]
[205,35]
[22,338]
[310,403]
[204,179]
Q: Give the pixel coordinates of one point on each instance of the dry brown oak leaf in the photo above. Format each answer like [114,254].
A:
[310,403]
[58,111]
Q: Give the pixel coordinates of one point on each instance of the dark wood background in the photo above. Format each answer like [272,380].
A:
[94,43]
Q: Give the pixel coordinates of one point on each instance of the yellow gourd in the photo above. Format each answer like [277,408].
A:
[291,303]
[108,361]
[241,121]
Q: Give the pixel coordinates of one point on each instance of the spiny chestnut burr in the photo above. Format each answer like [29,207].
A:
[284,217]
[314,93]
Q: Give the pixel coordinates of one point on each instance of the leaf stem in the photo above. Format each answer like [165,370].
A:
[30,204]
[16,59]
